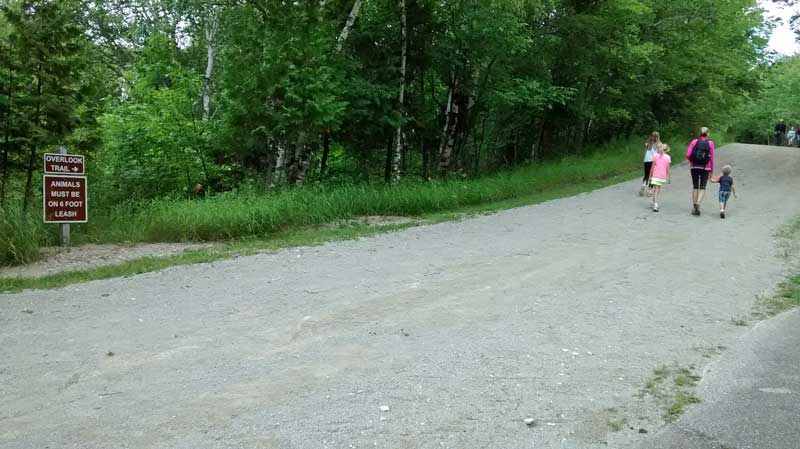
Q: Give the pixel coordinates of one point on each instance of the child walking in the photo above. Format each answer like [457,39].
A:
[659,173]
[650,150]
[725,189]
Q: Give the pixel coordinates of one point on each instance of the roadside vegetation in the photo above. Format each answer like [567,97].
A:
[230,120]
[787,296]
[266,215]
[672,387]
[777,99]
[235,218]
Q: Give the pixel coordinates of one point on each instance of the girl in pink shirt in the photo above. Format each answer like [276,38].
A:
[659,174]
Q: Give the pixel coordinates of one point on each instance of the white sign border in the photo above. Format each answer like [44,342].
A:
[83,164]
[44,199]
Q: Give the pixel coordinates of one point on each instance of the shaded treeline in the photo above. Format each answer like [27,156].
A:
[167,94]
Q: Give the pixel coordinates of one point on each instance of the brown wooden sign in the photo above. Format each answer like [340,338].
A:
[65,199]
[64,164]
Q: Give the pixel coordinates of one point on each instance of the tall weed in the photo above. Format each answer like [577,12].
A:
[233,215]
[22,234]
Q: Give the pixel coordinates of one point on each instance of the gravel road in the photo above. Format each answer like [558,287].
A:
[558,312]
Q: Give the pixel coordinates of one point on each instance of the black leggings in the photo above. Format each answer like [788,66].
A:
[700,178]
[647,167]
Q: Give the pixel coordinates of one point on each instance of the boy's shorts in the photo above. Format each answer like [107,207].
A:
[724,195]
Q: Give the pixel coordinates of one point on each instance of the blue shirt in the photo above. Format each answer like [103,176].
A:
[725,183]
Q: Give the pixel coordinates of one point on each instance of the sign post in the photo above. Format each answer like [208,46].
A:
[64,191]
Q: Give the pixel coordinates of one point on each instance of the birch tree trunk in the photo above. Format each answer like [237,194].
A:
[348,26]
[280,163]
[211,26]
[299,163]
[450,126]
[398,139]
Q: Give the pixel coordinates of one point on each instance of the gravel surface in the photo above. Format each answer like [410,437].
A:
[85,257]
[443,336]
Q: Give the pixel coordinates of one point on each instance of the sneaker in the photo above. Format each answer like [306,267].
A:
[655,207]
[696,210]
[641,191]
[722,214]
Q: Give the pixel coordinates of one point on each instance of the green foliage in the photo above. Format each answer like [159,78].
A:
[42,48]
[21,236]
[154,143]
[779,99]
[264,96]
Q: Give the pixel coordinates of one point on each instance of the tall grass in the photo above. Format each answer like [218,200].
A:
[235,215]
[21,235]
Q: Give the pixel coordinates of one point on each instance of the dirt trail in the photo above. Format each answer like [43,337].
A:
[558,312]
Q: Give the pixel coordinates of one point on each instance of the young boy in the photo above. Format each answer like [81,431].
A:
[725,188]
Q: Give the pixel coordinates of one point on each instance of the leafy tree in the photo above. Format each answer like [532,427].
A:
[153,141]
[267,92]
[778,100]
[44,62]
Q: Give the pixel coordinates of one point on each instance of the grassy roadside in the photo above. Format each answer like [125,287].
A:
[256,214]
[787,295]
[249,223]
[308,236]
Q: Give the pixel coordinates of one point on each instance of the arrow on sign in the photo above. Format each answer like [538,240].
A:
[74,168]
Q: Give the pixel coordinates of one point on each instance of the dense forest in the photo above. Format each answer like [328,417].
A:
[167,94]
[187,98]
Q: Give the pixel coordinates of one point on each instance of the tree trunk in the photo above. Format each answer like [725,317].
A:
[398,138]
[29,179]
[451,125]
[326,149]
[280,164]
[348,26]
[479,150]
[587,132]
[32,158]
[424,150]
[271,159]
[4,174]
[387,169]
[211,25]
[299,163]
